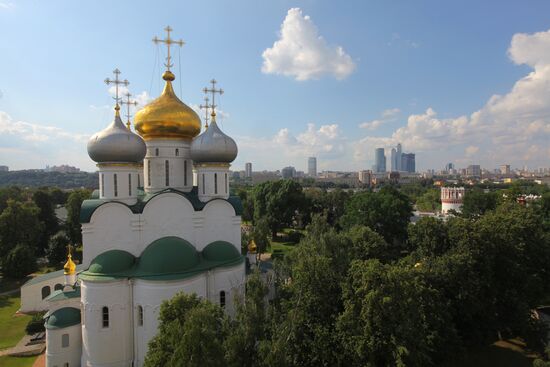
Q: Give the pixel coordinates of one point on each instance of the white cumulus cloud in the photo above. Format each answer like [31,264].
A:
[303,54]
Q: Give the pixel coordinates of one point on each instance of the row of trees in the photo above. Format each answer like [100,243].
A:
[29,227]
[370,289]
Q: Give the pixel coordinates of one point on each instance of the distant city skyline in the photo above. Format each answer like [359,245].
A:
[430,75]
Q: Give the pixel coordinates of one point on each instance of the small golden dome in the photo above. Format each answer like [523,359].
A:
[70,267]
[252,247]
[167,116]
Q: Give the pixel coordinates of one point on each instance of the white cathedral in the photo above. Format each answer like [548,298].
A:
[162,222]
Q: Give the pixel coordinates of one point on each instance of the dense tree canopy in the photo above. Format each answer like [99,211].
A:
[74,202]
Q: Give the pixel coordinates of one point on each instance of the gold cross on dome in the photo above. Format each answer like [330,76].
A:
[213,90]
[117,82]
[128,103]
[205,107]
[168,42]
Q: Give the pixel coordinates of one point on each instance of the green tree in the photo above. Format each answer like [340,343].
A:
[19,224]
[430,201]
[392,317]
[388,212]
[46,214]
[57,248]
[74,202]
[249,328]
[280,203]
[190,333]
[477,203]
[261,234]
[428,237]
[19,262]
[367,244]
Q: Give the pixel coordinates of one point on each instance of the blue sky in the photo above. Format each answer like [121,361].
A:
[464,82]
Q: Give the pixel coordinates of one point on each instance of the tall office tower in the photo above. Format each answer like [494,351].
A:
[248,170]
[288,172]
[398,158]
[393,160]
[473,170]
[449,167]
[408,163]
[505,169]
[379,160]
[312,166]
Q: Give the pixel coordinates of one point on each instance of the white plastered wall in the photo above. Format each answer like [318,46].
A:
[31,294]
[56,354]
[176,153]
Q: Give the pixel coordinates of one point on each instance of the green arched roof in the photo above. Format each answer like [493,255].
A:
[220,251]
[89,206]
[168,255]
[63,317]
[112,262]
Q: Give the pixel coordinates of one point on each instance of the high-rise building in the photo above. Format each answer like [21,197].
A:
[473,170]
[288,172]
[248,170]
[449,167]
[408,163]
[398,158]
[393,160]
[505,169]
[312,166]
[379,160]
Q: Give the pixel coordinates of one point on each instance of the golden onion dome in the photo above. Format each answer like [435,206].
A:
[167,116]
[70,267]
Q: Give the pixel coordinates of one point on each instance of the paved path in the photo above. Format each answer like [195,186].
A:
[22,349]
[40,361]
[13,291]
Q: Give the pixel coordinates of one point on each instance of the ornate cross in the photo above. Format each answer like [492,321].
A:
[205,107]
[69,249]
[169,42]
[117,82]
[213,90]
[128,103]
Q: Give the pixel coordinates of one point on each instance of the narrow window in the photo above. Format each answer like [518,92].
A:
[185,172]
[139,183]
[65,341]
[149,172]
[215,183]
[103,184]
[222,299]
[129,184]
[177,152]
[203,183]
[105,316]
[46,291]
[58,287]
[116,185]
[167,173]
[226,186]
[157,152]
[140,316]
[66,364]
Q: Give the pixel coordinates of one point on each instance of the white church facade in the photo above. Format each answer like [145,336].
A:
[162,222]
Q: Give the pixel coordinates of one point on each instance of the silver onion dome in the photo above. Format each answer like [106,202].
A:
[213,146]
[116,143]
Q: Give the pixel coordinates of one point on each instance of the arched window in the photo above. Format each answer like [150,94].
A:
[65,341]
[149,172]
[185,172]
[129,184]
[215,183]
[139,183]
[226,186]
[58,287]
[166,167]
[116,185]
[222,299]
[46,291]
[203,182]
[177,152]
[103,184]
[157,152]
[105,316]
[140,316]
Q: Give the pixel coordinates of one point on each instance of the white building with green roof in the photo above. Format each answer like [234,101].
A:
[162,222]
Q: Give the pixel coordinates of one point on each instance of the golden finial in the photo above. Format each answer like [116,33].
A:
[205,107]
[117,82]
[128,103]
[70,267]
[168,76]
[213,90]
